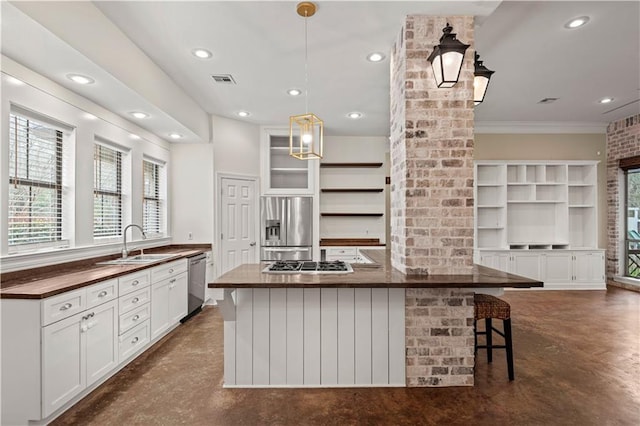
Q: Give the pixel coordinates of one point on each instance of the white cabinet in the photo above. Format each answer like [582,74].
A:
[282,173]
[558,269]
[169,296]
[348,254]
[77,351]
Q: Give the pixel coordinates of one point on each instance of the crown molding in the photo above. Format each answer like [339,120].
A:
[540,127]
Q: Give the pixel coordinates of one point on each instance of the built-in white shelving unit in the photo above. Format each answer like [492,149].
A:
[540,207]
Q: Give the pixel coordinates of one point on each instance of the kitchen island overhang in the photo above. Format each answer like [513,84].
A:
[373,327]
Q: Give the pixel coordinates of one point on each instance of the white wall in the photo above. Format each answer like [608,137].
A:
[192,182]
[236,146]
[48,99]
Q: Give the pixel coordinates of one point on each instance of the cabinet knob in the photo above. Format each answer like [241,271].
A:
[135,318]
[135,340]
[135,300]
[135,282]
[103,293]
[65,306]
[171,271]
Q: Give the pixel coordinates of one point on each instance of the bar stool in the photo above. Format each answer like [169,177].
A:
[489,307]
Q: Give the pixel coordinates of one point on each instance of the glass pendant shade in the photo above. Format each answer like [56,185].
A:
[306,134]
[481,77]
[446,59]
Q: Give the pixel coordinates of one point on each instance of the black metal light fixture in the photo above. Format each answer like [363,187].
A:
[446,58]
[481,77]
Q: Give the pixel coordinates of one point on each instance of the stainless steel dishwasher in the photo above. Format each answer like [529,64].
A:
[197,278]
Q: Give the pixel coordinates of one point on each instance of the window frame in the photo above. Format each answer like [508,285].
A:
[159,231]
[119,194]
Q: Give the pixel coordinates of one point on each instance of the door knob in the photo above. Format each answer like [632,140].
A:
[252,244]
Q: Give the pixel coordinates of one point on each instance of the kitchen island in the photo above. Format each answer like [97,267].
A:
[373,327]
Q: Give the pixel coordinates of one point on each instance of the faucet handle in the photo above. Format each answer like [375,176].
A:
[125,253]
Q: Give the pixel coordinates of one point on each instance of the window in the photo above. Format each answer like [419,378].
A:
[151,204]
[107,192]
[35,182]
[632,201]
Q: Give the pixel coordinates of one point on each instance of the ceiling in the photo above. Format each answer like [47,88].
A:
[139,53]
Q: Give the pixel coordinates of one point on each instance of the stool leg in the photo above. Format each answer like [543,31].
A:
[489,337]
[509,347]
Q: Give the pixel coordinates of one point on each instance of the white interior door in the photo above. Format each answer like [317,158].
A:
[238,230]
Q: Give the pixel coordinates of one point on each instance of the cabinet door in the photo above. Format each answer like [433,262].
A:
[495,260]
[63,363]
[526,265]
[101,337]
[159,308]
[558,267]
[282,173]
[178,296]
[588,267]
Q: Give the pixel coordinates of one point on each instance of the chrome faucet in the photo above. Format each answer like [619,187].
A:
[125,252]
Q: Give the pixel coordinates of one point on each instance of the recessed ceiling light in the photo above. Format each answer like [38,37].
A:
[244,113]
[134,136]
[138,114]
[175,135]
[606,100]
[354,115]
[375,57]
[15,81]
[201,53]
[294,92]
[80,79]
[577,22]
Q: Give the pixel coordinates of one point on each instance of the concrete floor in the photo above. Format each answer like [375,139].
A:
[577,362]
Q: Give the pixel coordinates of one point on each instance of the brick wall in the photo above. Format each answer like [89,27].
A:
[439,337]
[623,140]
[431,153]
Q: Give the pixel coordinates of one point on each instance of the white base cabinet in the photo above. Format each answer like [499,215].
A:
[57,350]
[559,269]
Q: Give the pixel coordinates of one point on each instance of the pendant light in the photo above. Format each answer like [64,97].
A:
[446,58]
[306,131]
[481,77]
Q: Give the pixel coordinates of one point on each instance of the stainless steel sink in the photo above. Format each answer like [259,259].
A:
[139,259]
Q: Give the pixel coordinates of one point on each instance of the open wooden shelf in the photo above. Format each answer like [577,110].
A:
[352,214]
[345,165]
[351,190]
[373,242]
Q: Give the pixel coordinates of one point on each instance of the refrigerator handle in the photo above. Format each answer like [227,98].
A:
[287,211]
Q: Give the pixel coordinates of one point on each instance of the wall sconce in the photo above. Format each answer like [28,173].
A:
[446,58]
[481,77]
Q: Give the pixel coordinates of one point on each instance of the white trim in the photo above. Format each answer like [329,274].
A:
[539,127]
[18,262]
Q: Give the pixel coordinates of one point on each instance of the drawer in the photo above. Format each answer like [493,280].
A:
[63,306]
[342,251]
[169,270]
[101,292]
[133,282]
[132,318]
[133,300]
[344,258]
[134,340]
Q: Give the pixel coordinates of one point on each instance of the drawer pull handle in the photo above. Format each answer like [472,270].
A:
[171,271]
[173,281]
[86,317]
[65,306]
[135,300]
[135,318]
[135,340]
[103,293]
[135,282]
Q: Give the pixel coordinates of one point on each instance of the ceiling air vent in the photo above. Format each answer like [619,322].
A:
[223,78]
[547,100]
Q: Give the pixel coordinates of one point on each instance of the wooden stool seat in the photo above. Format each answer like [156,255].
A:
[488,307]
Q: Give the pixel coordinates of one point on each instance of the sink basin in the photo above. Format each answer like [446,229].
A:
[137,260]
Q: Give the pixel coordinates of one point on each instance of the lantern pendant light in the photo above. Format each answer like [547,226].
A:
[481,77]
[446,58]
[306,131]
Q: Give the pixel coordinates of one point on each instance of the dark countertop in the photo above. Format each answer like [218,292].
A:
[40,283]
[378,274]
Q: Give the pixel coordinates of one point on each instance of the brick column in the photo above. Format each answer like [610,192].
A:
[432,200]
[431,153]
[623,141]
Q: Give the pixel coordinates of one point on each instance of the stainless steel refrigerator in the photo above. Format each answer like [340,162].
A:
[286,228]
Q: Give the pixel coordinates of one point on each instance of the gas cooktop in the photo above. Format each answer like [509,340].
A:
[308,267]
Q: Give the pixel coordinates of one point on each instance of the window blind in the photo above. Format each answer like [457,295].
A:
[35,182]
[107,191]
[151,201]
